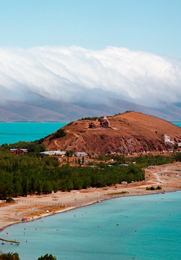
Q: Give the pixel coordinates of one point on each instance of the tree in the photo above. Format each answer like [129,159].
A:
[47,257]
[25,186]
[47,187]
[39,187]
[12,256]
[69,153]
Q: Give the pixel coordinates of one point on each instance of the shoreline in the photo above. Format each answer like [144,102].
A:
[36,207]
[45,215]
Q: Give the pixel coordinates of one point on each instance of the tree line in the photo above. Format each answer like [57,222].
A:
[15,256]
[29,174]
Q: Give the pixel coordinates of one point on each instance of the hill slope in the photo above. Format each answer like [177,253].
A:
[122,133]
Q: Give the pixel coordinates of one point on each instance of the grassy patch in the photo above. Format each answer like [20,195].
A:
[117,193]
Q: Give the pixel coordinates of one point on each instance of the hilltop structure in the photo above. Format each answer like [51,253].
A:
[123,133]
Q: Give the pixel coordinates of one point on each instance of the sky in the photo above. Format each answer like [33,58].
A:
[141,36]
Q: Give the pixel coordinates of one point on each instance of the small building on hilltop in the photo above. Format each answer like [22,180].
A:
[19,151]
[105,122]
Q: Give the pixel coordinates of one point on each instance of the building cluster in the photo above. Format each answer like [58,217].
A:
[103,123]
[18,151]
[168,140]
[49,153]
[62,153]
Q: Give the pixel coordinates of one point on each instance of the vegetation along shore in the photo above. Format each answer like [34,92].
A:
[35,184]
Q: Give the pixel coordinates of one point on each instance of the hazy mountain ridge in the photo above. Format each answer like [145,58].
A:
[48,110]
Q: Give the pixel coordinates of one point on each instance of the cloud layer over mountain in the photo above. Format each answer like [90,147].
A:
[74,74]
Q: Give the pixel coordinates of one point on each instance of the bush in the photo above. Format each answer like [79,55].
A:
[154,188]
[47,257]
[158,187]
[70,153]
[10,256]
[58,134]
[10,200]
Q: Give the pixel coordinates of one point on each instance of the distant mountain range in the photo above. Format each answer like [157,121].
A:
[43,109]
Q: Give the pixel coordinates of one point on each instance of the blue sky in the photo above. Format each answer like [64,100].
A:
[146,25]
[91,49]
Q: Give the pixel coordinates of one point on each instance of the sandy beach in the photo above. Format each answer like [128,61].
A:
[33,207]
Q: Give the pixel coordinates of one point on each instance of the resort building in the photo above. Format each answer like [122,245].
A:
[80,154]
[51,153]
[18,151]
[167,139]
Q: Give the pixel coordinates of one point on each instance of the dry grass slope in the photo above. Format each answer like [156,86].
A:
[128,132]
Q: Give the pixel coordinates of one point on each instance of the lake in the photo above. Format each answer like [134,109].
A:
[30,131]
[149,229]
[21,131]
[149,226]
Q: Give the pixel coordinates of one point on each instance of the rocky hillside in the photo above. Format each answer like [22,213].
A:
[122,133]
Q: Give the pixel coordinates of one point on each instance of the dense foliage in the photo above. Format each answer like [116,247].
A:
[69,153]
[24,174]
[60,133]
[34,148]
[92,118]
[78,177]
[47,257]
[145,161]
[154,188]
[116,157]
[15,256]
[29,174]
[9,256]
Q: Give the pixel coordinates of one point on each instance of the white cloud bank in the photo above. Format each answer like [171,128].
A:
[68,73]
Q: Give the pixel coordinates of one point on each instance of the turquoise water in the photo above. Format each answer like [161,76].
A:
[14,132]
[149,229]
[25,131]
[177,123]
[91,232]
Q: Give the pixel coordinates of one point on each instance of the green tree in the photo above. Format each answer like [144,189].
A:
[69,153]
[39,187]
[47,257]
[47,187]
[10,256]
[17,188]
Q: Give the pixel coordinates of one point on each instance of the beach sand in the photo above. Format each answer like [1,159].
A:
[33,207]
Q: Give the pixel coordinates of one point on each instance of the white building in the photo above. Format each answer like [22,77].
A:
[60,153]
[167,139]
[80,154]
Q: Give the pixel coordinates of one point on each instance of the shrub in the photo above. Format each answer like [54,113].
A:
[154,188]
[58,134]
[47,257]
[10,200]
[10,256]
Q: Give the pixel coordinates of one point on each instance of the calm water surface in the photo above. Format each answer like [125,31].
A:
[177,123]
[25,131]
[149,229]
[14,132]
[149,226]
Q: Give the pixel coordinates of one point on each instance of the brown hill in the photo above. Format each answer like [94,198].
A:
[122,133]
